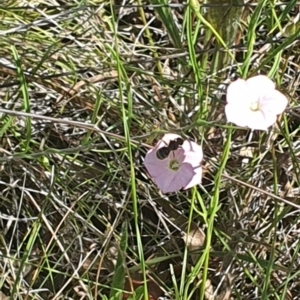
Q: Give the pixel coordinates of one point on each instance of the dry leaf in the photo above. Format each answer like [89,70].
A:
[194,240]
[209,290]
[225,289]
[3,297]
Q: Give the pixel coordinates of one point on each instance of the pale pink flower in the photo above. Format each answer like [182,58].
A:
[254,102]
[180,169]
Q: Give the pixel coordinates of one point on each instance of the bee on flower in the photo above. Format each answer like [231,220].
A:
[174,163]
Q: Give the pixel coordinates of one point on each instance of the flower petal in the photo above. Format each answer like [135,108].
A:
[260,121]
[197,178]
[273,102]
[154,165]
[237,93]
[193,158]
[260,84]
[237,114]
[171,181]
[192,146]
[166,182]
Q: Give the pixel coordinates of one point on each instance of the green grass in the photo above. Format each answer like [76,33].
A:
[86,88]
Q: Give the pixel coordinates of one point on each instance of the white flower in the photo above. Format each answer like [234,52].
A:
[254,102]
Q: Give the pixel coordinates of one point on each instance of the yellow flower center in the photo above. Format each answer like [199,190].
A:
[254,106]
[174,165]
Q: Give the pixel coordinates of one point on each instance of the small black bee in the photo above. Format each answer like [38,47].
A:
[164,152]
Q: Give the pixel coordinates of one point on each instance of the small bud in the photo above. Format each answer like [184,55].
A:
[194,5]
